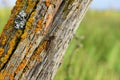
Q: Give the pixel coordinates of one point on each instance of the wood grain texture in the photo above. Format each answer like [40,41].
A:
[35,50]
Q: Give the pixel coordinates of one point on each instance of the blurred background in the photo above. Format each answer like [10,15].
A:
[94,53]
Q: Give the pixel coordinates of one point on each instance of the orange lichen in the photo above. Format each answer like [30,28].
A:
[11,65]
[39,50]
[36,56]
[39,26]
[27,48]
[27,67]
[30,49]
[3,74]
[3,38]
[21,66]
[47,3]
[11,76]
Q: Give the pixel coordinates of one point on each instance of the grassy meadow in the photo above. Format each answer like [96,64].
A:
[94,54]
[4,15]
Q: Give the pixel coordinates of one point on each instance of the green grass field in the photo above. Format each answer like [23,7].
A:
[4,15]
[98,55]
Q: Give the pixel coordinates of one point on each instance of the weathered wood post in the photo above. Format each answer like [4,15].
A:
[36,37]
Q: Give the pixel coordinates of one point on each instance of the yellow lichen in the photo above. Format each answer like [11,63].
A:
[30,6]
[3,38]
[18,3]
[1,51]
[11,47]
[18,33]
[8,23]
[12,44]
[29,22]
[17,6]
[24,35]
[13,41]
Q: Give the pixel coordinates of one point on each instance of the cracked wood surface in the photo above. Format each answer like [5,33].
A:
[34,40]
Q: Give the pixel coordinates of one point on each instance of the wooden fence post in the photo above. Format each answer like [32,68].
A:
[36,36]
